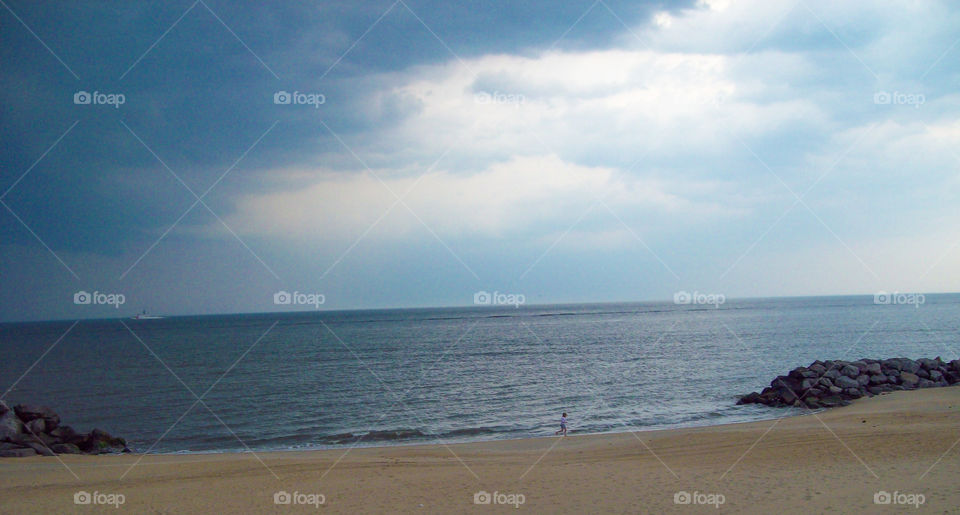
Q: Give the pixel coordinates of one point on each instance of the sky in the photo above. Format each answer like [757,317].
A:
[208,156]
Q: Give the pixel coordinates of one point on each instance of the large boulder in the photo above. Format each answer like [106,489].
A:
[28,412]
[909,379]
[909,365]
[101,442]
[847,382]
[873,368]
[10,426]
[850,371]
[936,375]
[853,393]
[66,434]
[832,374]
[65,448]
[35,426]
[878,379]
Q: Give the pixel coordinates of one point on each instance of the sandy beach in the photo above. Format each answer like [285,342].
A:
[904,444]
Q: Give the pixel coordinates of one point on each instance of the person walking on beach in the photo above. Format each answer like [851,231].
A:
[563,425]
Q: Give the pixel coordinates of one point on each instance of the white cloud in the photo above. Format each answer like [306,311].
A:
[505,199]
[665,132]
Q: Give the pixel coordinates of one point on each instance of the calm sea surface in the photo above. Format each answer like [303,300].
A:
[385,377]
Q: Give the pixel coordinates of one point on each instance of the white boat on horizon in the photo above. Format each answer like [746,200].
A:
[144,316]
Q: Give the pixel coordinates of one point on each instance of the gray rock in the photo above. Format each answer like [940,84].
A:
[893,379]
[28,412]
[4,408]
[40,448]
[35,426]
[878,379]
[65,448]
[909,365]
[860,364]
[850,371]
[876,390]
[832,374]
[846,382]
[808,384]
[923,373]
[926,383]
[17,453]
[825,382]
[936,375]
[873,368]
[909,380]
[864,380]
[928,364]
[818,368]
[854,393]
[835,389]
[10,426]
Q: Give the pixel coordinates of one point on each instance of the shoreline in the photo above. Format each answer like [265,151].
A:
[836,459]
[452,442]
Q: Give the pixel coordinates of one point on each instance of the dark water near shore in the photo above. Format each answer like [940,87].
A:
[313,380]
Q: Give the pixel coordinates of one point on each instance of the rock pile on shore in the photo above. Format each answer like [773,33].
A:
[826,384]
[31,430]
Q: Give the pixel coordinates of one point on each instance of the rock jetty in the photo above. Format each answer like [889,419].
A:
[31,430]
[827,384]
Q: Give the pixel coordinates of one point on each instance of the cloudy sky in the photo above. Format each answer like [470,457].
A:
[567,151]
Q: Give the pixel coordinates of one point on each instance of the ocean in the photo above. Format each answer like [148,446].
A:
[333,379]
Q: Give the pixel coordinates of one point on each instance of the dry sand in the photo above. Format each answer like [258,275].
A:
[835,461]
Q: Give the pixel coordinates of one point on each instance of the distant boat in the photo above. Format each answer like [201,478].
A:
[144,316]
